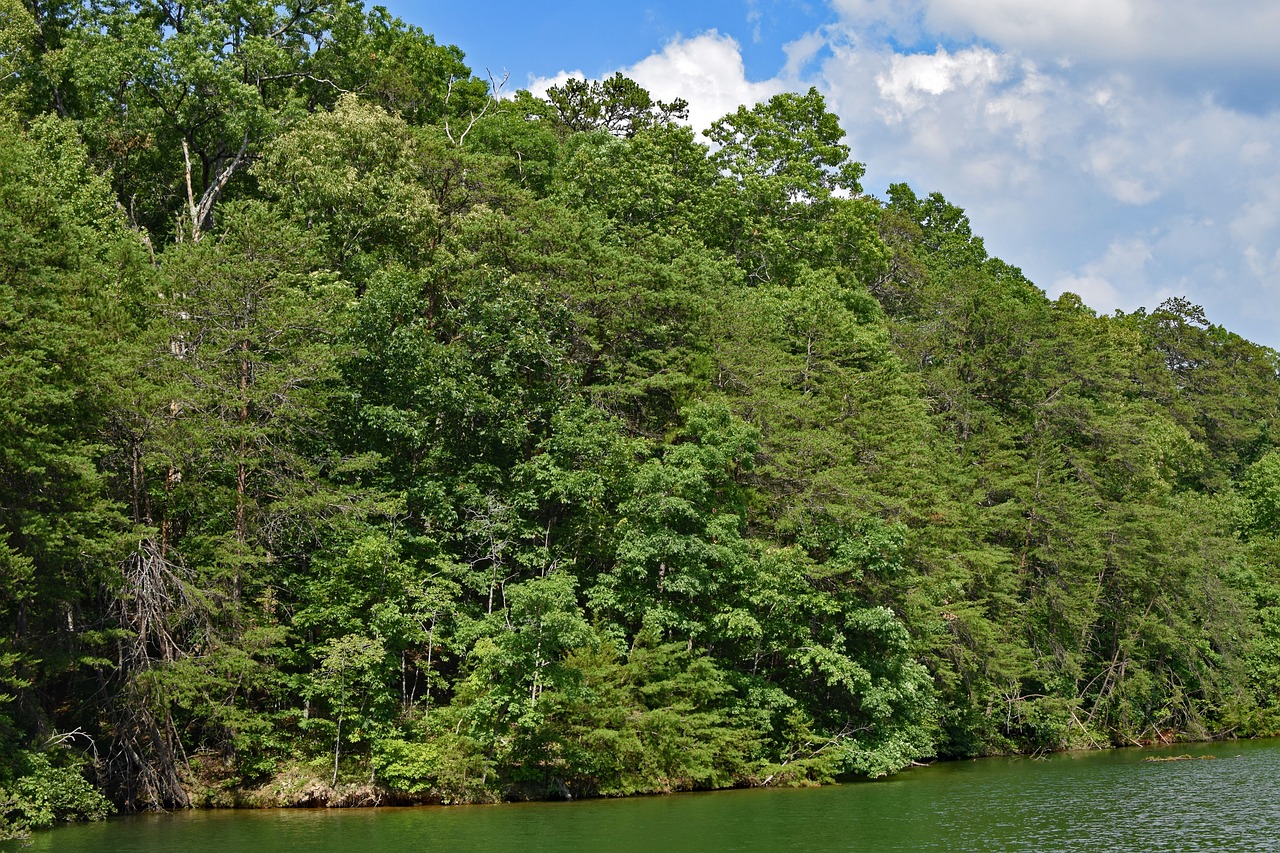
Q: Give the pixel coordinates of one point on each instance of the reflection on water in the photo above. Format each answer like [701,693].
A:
[1080,801]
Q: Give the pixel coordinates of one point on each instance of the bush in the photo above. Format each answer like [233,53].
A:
[44,794]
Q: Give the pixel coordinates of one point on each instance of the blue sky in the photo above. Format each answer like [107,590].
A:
[1125,150]
[532,41]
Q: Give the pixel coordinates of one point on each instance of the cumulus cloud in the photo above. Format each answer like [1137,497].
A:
[914,81]
[1165,31]
[538,86]
[1124,261]
[706,70]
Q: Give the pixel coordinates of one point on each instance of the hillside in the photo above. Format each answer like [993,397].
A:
[367,436]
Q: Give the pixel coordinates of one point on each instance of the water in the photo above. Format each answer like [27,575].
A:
[1101,801]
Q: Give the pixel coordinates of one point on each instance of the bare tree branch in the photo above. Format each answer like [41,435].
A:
[495,89]
[191,200]
[200,212]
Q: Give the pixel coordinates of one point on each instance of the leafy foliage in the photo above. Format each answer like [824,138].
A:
[366,435]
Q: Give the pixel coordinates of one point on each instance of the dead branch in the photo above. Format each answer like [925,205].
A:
[495,94]
[204,210]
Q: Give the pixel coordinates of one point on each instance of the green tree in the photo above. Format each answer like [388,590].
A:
[787,162]
[223,447]
[618,105]
[681,559]
[389,63]
[352,680]
[70,281]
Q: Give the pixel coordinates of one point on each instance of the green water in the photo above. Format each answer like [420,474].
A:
[1109,801]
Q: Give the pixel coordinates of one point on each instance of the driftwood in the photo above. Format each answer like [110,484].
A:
[1163,758]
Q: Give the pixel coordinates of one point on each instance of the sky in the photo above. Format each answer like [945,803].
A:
[1125,150]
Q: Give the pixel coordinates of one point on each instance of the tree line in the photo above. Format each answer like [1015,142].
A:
[368,436]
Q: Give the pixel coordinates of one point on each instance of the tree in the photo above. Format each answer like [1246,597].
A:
[681,561]
[70,281]
[177,99]
[788,164]
[617,105]
[223,444]
[351,679]
[357,179]
[391,64]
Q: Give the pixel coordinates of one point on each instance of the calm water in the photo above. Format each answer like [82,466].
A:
[1081,801]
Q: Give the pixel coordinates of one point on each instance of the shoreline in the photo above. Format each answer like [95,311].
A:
[311,793]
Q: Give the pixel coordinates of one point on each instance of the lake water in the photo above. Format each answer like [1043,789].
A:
[1098,801]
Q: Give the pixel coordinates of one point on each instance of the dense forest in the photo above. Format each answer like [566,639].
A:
[369,433]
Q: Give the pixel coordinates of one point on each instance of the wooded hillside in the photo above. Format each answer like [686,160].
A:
[364,434]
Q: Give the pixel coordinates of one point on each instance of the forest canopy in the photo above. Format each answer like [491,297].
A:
[370,434]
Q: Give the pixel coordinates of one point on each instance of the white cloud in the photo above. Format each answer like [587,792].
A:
[1255,153]
[1058,166]
[538,86]
[1260,264]
[1026,23]
[1113,161]
[1233,32]
[900,17]
[913,81]
[1094,290]
[1253,230]
[754,18]
[801,52]
[1258,218]
[1106,284]
[706,70]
